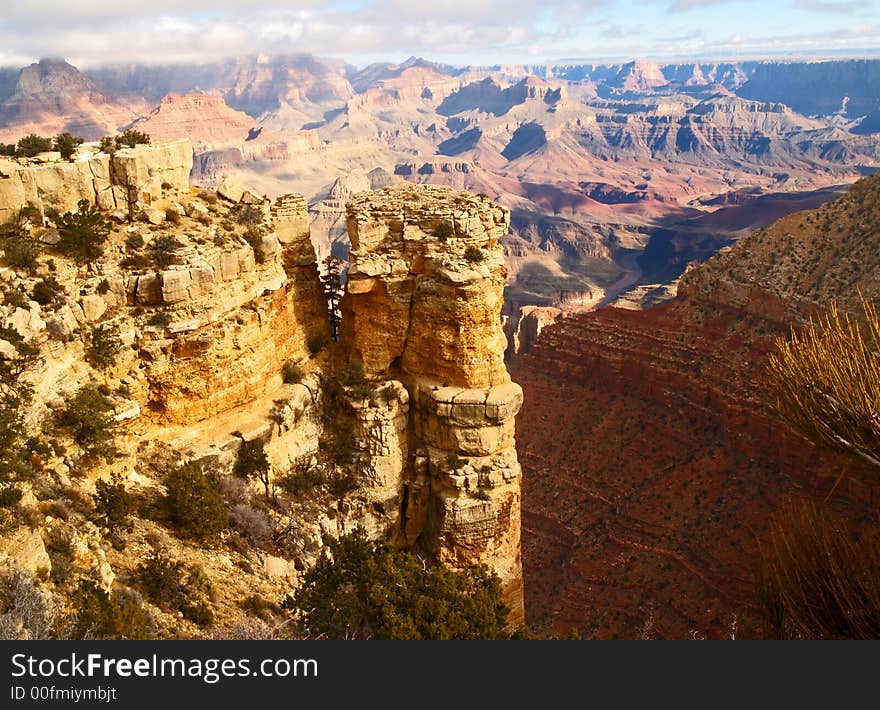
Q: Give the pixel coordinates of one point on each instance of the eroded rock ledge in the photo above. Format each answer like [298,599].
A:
[423,308]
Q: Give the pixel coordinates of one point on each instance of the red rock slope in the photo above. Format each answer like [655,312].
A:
[650,461]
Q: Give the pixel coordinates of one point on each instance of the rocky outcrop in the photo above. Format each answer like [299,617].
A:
[237,320]
[422,309]
[532,320]
[652,459]
[143,173]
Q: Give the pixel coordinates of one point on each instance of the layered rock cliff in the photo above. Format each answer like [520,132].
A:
[423,308]
[651,458]
[219,332]
[138,175]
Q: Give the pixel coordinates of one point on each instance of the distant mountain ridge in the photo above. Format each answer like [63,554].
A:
[600,160]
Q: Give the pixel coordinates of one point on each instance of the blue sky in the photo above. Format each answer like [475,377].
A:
[89,32]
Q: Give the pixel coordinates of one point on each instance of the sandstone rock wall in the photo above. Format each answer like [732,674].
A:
[237,321]
[423,308]
[101,179]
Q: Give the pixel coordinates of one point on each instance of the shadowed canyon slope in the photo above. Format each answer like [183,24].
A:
[598,164]
[650,458]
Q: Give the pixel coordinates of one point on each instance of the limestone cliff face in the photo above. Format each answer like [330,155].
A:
[223,338]
[236,321]
[101,179]
[419,312]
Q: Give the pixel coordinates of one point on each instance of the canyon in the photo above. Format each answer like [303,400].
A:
[617,176]
[651,457]
[214,302]
[614,468]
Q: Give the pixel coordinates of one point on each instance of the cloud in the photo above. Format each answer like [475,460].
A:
[843,7]
[689,5]
[90,32]
[96,30]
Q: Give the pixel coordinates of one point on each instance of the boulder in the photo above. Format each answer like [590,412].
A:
[25,548]
[93,306]
[7,350]
[194,209]
[27,322]
[231,189]
[50,237]
[153,216]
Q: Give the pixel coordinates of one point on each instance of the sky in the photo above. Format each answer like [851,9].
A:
[93,32]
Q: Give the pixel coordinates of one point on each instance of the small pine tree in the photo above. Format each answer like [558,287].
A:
[83,232]
[331,280]
[66,144]
[194,503]
[252,462]
[113,503]
[104,347]
[89,417]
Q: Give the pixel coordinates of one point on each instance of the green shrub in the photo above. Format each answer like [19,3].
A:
[163,249]
[172,216]
[174,586]
[10,496]
[83,233]
[21,252]
[66,144]
[93,616]
[32,145]
[89,417]
[134,241]
[113,503]
[14,297]
[362,589]
[160,318]
[474,255]
[194,503]
[46,291]
[104,347]
[443,232]
[130,138]
[291,373]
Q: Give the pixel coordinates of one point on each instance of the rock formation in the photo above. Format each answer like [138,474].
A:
[422,308]
[237,316]
[651,458]
[107,181]
[222,338]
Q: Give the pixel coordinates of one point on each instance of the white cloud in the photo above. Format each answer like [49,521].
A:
[489,31]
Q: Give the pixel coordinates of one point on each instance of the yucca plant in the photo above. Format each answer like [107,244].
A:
[816,580]
[825,381]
